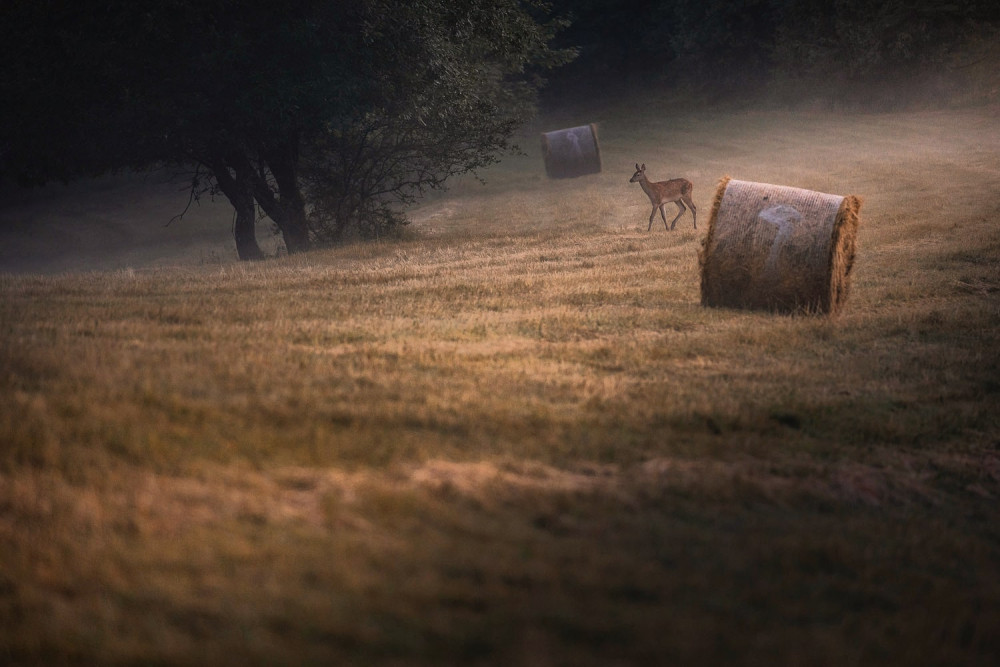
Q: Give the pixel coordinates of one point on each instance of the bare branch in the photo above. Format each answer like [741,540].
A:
[192,195]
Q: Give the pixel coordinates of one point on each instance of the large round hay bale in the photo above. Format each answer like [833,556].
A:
[571,152]
[778,248]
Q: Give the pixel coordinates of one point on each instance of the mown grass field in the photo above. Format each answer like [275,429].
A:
[514,437]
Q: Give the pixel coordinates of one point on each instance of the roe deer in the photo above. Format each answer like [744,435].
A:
[677,190]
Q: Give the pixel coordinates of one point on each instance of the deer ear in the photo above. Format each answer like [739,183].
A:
[637,166]
[643,167]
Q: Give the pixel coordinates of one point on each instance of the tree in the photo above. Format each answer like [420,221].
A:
[740,47]
[877,39]
[325,115]
[443,99]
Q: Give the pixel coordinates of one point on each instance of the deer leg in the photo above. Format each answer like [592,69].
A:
[680,212]
[662,215]
[694,210]
[651,216]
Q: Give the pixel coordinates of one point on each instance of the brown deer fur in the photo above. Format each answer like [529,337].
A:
[676,190]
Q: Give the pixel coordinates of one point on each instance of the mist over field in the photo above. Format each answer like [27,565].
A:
[115,222]
[131,220]
[508,432]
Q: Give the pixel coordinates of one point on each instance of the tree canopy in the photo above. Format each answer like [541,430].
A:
[325,115]
[732,45]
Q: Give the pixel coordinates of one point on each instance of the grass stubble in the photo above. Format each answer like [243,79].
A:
[514,437]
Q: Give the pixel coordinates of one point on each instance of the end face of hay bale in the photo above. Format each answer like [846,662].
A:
[843,246]
[571,152]
[778,248]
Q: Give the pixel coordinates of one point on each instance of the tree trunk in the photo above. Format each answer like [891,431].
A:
[293,227]
[291,207]
[245,233]
[286,207]
[244,229]
[239,191]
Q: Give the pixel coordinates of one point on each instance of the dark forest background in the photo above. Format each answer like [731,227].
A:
[331,118]
[844,49]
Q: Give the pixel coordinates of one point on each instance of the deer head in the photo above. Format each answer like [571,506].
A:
[640,173]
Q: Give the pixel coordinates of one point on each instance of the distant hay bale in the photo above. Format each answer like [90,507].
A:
[571,152]
[778,248]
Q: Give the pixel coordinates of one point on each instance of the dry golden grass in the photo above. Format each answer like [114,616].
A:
[514,437]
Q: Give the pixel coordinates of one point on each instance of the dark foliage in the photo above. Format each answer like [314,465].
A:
[876,39]
[727,45]
[325,115]
[436,98]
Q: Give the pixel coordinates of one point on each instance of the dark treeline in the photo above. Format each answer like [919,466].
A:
[737,45]
[330,118]
[326,117]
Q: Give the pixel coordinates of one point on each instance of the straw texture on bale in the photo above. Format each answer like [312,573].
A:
[571,152]
[772,247]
